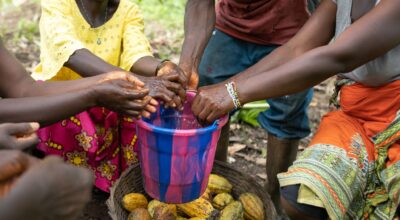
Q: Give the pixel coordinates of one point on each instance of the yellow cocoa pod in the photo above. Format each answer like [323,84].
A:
[197,218]
[233,211]
[253,206]
[218,184]
[133,201]
[197,208]
[139,214]
[165,212]
[221,200]
[153,204]
[207,195]
[181,218]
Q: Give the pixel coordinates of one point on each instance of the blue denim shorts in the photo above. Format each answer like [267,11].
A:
[226,56]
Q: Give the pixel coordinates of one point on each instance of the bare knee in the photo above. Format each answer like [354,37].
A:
[293,213]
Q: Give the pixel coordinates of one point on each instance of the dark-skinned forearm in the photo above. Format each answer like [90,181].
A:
[20,84]
[278,57]
[370,37]
[145,66]
[297,75]
[318,31]
[45,109]
[87,64]
[199,25]
[33,88]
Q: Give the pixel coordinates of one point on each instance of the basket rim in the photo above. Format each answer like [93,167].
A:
[112,202]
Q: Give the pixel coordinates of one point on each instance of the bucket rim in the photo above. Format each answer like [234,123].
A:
[219,123]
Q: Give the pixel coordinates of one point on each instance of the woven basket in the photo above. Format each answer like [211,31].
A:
[131,181]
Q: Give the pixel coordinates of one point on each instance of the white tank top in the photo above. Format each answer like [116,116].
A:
[377,72]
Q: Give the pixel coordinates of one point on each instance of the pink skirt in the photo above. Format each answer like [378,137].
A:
[98,139]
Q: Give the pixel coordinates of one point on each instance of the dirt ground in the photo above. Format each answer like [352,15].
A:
[247,144]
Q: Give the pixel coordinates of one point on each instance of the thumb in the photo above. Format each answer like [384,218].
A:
[194,81]
[22,128]
[132,79]
[26,141]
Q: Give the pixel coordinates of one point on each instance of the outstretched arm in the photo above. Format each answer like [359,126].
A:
[368,38]
[318,31]
[118,91]
[199,25]
[371,36]
[17,83]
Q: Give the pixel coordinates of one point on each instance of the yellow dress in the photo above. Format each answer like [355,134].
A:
[98,139]
[64,30]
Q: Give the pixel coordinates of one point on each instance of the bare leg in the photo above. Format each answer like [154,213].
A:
[280,155]
[292,212]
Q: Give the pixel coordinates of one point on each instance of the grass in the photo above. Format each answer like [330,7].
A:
[168,13]
[164,25]
[27,29]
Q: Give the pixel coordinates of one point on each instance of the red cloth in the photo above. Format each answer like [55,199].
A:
[263,22]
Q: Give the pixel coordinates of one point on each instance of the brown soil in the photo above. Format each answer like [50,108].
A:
[251,159]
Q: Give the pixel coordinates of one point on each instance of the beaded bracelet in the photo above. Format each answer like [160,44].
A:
[160,65]
[231,88]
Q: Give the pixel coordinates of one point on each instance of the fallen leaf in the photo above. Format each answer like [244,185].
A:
[245,156]
[235,139]
[263,152]
[235,148]
[261,161]
[231,159]
[262,176]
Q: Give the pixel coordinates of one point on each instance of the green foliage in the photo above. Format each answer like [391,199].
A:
[4,3]
[27,29]
[169,13]
[164,25]
[249,113]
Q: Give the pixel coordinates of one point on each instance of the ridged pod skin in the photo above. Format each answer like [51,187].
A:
[153,204]
[233,211]
[133,201]
[197,208]
[139,214]
[221,200]
[253,206]
[207,195]
[218,184]
[165,212]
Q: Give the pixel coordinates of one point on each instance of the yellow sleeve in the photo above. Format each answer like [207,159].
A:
[58,35]
[135,43]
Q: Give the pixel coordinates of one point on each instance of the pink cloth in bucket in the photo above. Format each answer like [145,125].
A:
[177,154]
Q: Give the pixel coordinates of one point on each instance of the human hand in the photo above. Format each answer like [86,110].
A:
[170,93]
[124,93]
[13,163]
[212,102]
[18,136]
[191,74]
[172,72]
[50,189]
[194,80]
